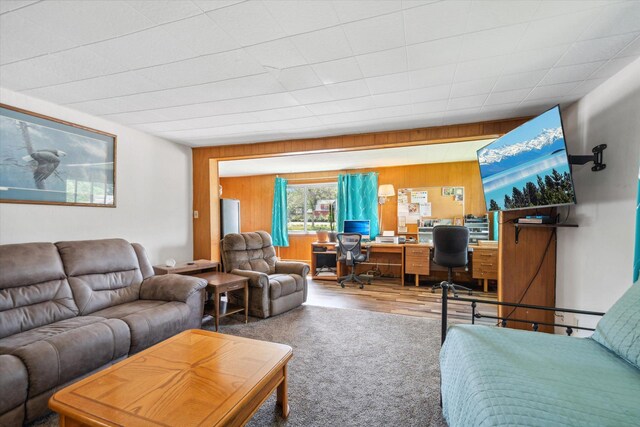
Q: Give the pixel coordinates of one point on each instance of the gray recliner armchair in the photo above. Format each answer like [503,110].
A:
[274,286]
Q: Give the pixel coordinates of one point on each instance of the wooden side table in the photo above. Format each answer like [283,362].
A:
[219,283]
[188,267]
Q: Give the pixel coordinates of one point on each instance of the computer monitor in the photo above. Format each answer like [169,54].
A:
[360,226]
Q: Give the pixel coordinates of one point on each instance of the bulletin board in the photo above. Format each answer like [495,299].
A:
[420,203]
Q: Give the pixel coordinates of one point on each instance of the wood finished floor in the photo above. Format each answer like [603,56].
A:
[389,296]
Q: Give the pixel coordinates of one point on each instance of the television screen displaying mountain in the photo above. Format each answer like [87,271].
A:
[528,167]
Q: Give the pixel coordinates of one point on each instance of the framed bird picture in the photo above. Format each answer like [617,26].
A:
[49,161]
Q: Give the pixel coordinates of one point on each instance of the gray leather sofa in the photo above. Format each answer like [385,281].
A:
[274,286]
[72,308]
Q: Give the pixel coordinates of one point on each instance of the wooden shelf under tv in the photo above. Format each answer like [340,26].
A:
[530,225]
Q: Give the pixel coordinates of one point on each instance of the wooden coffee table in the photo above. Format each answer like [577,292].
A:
[219,283]
[194,378]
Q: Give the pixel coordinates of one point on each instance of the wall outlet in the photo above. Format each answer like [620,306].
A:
[195,214]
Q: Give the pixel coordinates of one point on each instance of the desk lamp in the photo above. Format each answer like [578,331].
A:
[384,192]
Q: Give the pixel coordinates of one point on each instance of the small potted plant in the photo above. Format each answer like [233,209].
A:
[333,235]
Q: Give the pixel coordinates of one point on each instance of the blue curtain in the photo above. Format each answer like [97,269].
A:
[358,199]
[279,233]
[636,261]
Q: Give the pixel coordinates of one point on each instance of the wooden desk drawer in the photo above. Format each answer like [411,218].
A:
[484,270]
[416,265]
[485,255]
[418,252]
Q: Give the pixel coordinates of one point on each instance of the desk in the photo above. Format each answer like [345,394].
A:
[416,259]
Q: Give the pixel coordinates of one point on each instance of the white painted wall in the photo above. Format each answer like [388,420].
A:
[595,261]
[153,194]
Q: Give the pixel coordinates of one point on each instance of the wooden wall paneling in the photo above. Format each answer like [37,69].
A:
[214,215]
[517,265]
[202,227]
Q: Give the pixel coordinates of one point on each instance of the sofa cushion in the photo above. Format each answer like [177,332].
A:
[62,351]
[619,329]
[33,288]
[284,284]
[14,384]
[102,273]
[249,251]
[499,376]
[149,321]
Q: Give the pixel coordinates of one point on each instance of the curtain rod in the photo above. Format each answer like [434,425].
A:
[311,178]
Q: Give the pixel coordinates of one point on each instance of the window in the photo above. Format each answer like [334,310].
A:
[311,207]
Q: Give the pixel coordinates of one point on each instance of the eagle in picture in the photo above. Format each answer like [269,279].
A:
[46,162]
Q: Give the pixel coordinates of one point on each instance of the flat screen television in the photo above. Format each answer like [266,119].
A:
[528,167]
[357,226]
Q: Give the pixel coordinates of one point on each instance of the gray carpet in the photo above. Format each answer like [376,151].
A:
[349,368]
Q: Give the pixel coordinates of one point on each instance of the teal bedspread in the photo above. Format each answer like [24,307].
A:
[503,377]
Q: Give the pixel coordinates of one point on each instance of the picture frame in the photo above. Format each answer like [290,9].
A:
[44,160]
[457,220]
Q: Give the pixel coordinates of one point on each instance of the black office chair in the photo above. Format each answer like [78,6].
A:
[350,252]
[450,247]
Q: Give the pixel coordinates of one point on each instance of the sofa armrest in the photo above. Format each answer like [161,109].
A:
[171,287]
[291,267]
[256,279]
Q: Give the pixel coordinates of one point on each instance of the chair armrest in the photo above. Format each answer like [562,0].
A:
[171,287]
[256,279]
[290,267]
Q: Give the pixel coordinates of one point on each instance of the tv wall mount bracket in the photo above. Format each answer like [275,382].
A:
[596,158]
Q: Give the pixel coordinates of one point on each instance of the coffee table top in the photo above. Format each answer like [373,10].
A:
[221,279]
[194,378]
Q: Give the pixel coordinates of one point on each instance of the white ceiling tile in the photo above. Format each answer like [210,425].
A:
[352,10]
[436,20]
[539,59]
[200,123]
[321,108]
[7,6]
[571,73]
[352,116]
[247,22]
[618,18]
[551,91]
[432,76]
[163,11]
[302,16]
[434,53]
[289,113]
[58,68]
[466,102]
[357,104]
[396,111]
[88,21]
[632,49]
[432,93]
[338,71]
[203,69]
[208,5]
[612,67]
[596,50]
[587,86]
[201,35]
[557,30]
[493,42]
[312,95]
[472,87]
[143,49]
[392,98]
[567,7]
[389,83]
[480,69]
[277,54]
[375,34]
[346,90]
[385,62]
[113,85]
[491,14]
[137,117]
[430,107]
[323,45]
[21,39]
[297,77]
[509,96]
[527,79]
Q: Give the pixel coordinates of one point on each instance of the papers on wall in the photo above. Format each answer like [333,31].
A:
[419,196]
[403,197]
[425,209]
